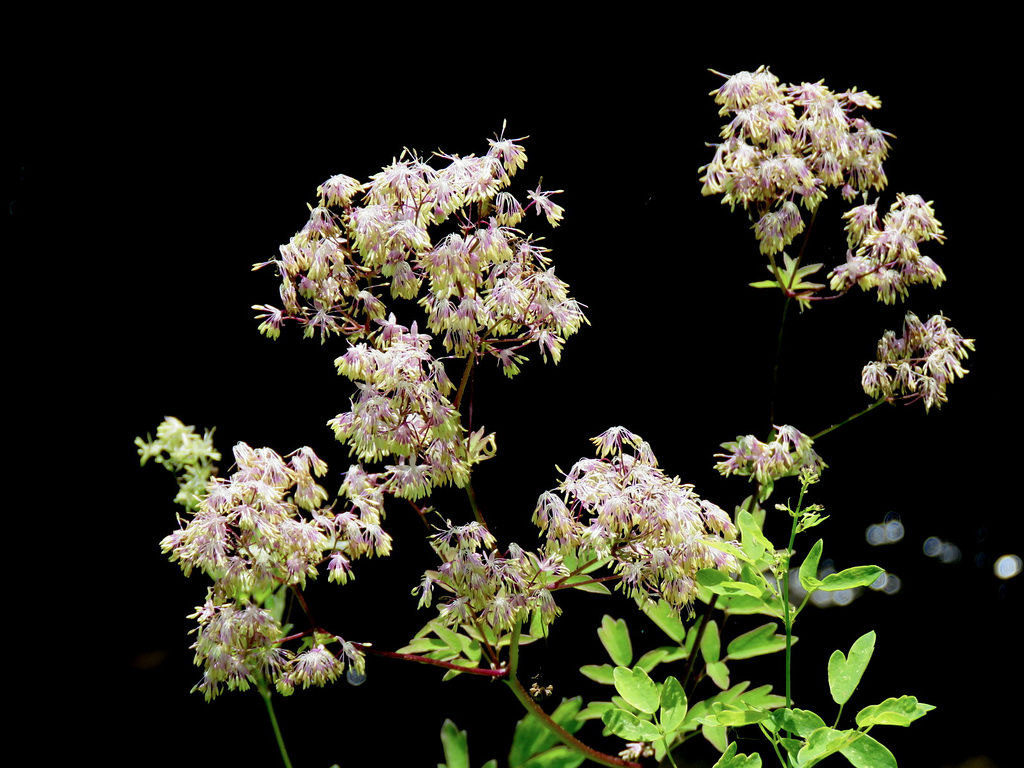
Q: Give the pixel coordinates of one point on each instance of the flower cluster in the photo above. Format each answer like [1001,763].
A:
[919,364]
[248,534]
[247,531]
[402,410]
[487,287]
[788,453]
[239,643]
[888,258]
[656,531]
[190,457]
[786,144]
[486,586]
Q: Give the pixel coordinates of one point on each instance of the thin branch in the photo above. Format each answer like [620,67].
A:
[495,673]
[855,416]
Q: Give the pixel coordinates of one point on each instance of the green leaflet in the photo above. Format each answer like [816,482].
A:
[614,636]
[892,711]
[850,578]
[534,745]
[721,584]
[599,673]
[731,760]
[456,746]
[865,752]
[629,727]
[844,673]
[673,705]
[809,568]
[667,619]
[637,688]
[756,642]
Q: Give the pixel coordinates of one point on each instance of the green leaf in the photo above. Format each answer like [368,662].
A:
[892,711]
[844,674]
[719,672]
[798,721]
[711,644]
[423,645]
[764,284]
[451,638]
[637,688]
[822,743]
[718,735]
[756,642]
[493,763]
[556,757]
[456,745]
[753,540]
[673,705]
[532,738]
[667,619]
[595,587]
[599,673]
[731,760]
[595,710]
[762,698]
[651,659]
[865,752]
[615,639]
[809,568]
[736,718]
[721,584]
[744,605]
[628,726]
[858,576]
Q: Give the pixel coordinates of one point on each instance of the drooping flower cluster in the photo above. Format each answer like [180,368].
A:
[487,288]
[919,364]
[787,144]
[486,586]
[888,258]
[403,410]
[656,531]
[787,454]
[238,643]
[249,534]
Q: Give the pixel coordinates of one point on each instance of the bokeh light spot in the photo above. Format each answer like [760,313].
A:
[1008,566]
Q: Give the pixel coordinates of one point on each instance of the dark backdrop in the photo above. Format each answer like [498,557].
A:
[147,184]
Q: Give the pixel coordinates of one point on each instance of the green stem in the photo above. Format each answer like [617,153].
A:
[545,719]
[778,358]
[477,513]
[788,613]
[464,381]
[695,650]
[265,693]
[847,421]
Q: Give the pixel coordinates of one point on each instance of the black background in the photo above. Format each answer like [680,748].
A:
[148,178]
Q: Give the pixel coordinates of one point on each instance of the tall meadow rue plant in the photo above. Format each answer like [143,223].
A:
[428,268]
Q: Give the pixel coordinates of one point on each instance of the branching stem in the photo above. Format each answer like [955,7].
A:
[545,719]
